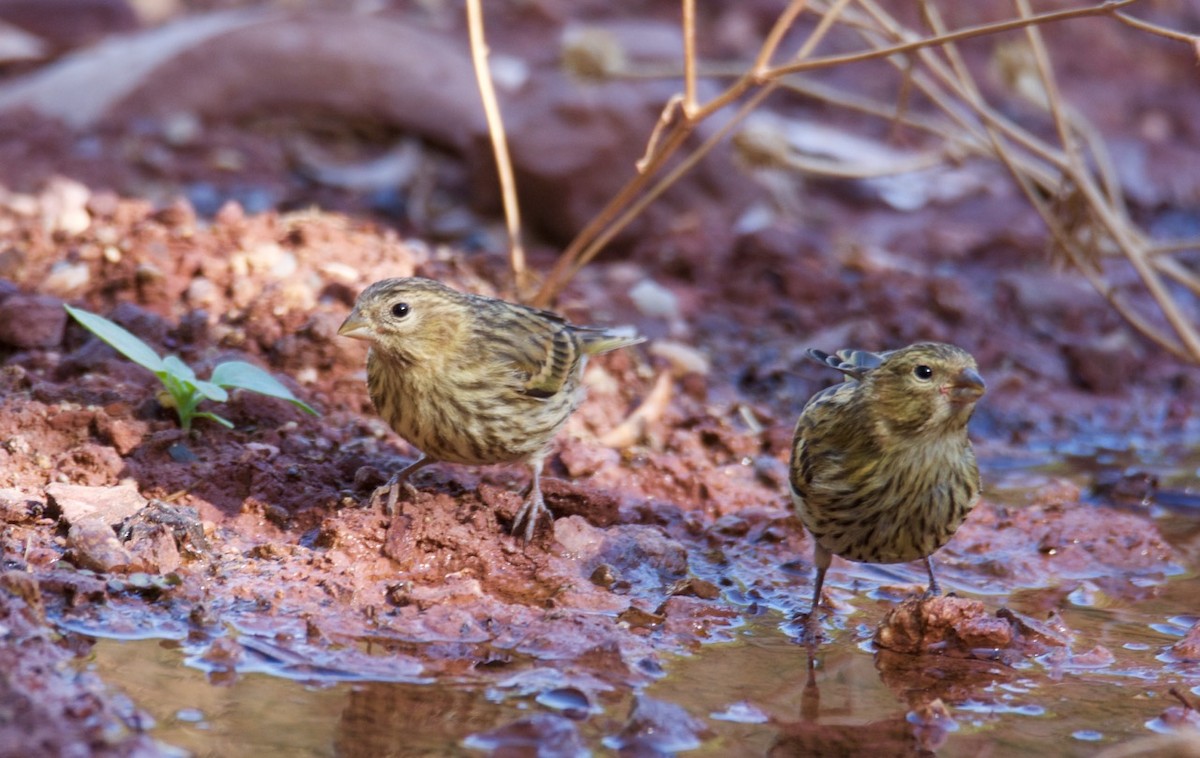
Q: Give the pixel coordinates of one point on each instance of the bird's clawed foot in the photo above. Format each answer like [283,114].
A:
[391,491]
[807,627]
[811,632]
[531,511]
[810,629]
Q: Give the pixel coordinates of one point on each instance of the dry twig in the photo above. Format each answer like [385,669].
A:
[491,108]
[1074,170]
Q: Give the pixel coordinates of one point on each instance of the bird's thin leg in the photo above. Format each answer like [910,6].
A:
[816,599]
[392,488]
[821,559]
[812,627]
[935,589]
[534,506]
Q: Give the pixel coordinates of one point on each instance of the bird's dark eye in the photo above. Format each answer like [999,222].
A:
[924,373]
[400,310]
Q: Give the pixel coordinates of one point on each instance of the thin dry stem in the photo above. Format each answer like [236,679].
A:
[1064,240]
[1113,192]
[1103,9]
[1176,246]
[491,108]
[1085,265]
[636,207]
[771,43]
[1176,271]
[1050,85]
[828,18]
[665,120]
[1076,168]
[933,17]
[1161,31]
[689,58]
[1110,215]
[1114,224]
[582,248]
[667,137]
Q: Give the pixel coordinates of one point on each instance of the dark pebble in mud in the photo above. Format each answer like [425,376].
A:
[694,587]
[637,618]
[181,453]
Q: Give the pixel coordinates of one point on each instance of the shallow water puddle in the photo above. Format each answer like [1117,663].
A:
[754,695]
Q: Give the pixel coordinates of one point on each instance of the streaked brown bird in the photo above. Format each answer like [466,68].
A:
[882,470]
[472,379]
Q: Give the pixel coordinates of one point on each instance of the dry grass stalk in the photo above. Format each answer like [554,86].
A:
[1097,229]
[1075,170]
[491,108]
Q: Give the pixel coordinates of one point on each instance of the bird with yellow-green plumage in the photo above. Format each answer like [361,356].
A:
[472,379]
[882,469]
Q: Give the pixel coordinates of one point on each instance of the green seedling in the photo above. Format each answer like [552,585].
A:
[181,389]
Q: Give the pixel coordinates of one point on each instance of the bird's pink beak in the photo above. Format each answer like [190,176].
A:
[967,387]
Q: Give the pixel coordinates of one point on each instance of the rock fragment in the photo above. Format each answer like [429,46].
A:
[112,505]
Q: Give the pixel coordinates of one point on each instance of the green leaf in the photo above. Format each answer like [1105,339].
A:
[246,376]
[120,339]
[178,369]
[210,390]
[181,380]
[214,417]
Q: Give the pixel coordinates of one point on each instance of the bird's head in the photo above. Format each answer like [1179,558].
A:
[926,387]
[412,319]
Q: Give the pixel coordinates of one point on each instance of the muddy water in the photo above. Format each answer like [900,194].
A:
[759,693]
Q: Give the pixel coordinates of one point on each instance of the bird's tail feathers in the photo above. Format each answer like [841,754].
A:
[597,340]
[853,363]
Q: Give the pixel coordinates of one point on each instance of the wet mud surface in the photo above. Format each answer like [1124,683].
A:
[660,612]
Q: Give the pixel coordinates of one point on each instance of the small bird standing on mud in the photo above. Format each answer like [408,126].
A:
[472,379]
[882,470]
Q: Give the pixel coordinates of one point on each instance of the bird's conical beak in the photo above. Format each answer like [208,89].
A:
[356,327]
[968,386]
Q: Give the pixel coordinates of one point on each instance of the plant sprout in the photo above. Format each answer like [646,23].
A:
[181,389]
